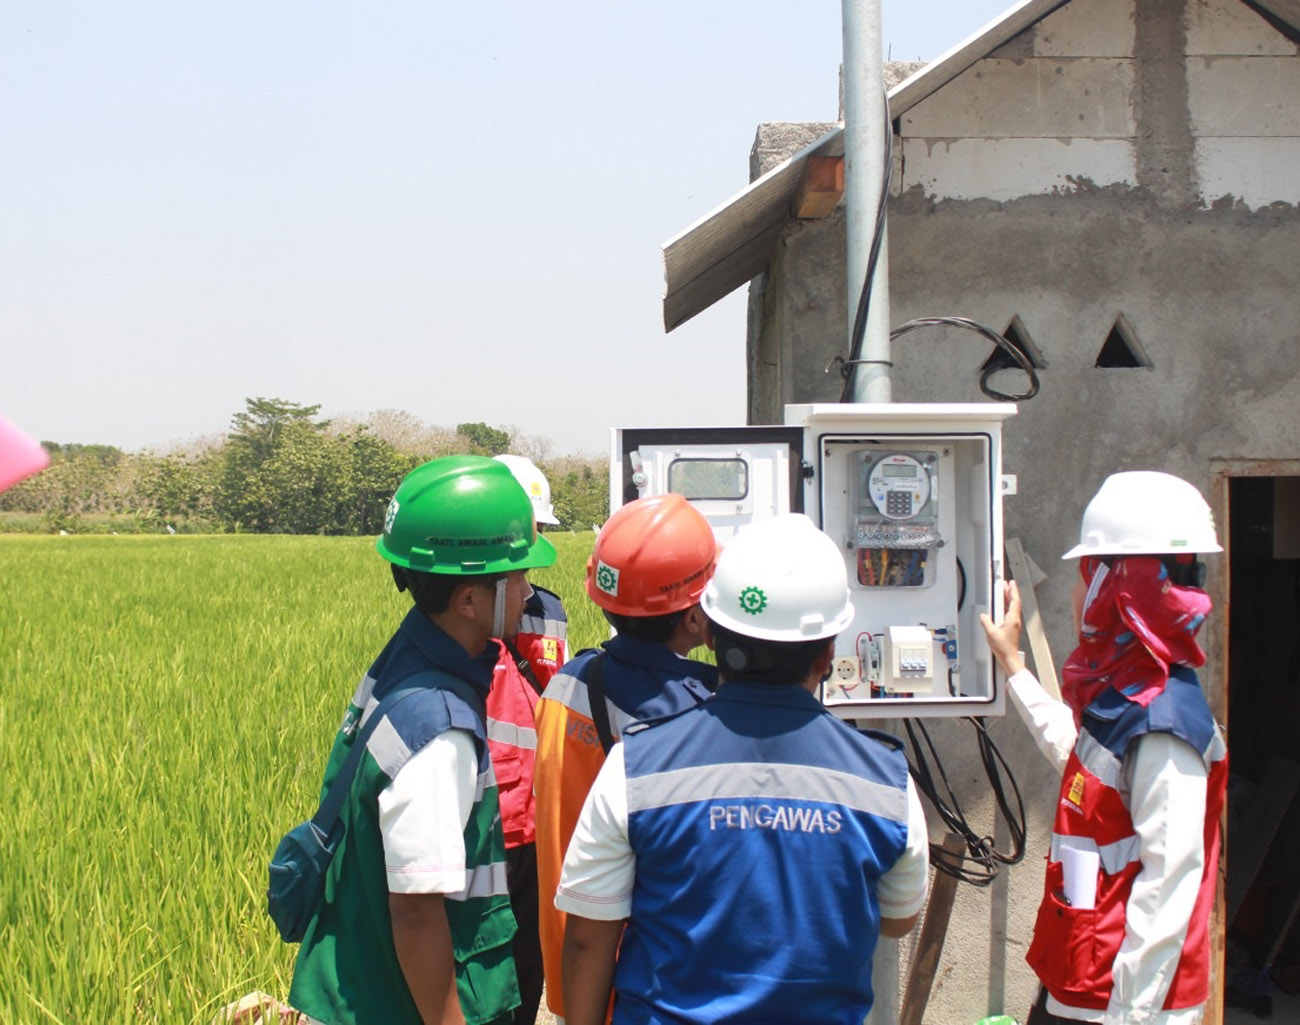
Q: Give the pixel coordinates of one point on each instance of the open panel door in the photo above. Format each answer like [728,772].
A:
[733,475]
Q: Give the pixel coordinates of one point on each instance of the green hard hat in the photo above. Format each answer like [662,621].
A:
[463,515]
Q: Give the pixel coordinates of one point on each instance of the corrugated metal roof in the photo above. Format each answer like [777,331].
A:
[730,245]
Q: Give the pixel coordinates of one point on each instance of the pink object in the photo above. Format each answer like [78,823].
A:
[20,457]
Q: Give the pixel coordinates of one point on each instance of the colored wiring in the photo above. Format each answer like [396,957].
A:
[878,568]
[980,865]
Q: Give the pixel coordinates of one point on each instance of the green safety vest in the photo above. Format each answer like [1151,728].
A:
[347,972]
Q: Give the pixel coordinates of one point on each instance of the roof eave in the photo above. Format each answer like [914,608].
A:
[731,244]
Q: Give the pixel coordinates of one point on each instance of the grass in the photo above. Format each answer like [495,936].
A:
[167,704]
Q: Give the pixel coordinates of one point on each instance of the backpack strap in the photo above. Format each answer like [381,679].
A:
[332,804]
[596,698]
[524,666]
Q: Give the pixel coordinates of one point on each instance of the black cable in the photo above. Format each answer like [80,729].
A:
[991,755]
[961,585]
[864,298]
[1012,351]
[979,866]
[858,334]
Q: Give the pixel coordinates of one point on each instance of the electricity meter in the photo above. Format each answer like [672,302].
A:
[894,517]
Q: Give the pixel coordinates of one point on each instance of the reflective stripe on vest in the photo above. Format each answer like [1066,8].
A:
[748,780]
[514,735]
[483,881]
[543,627]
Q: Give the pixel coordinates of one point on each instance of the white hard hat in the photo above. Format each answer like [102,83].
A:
[780,579]
[534,482]
[1143,512]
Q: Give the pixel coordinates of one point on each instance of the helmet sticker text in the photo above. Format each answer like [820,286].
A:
[391,515]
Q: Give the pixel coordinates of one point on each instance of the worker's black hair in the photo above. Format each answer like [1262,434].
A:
[432,592]
[755,661]
[649,628]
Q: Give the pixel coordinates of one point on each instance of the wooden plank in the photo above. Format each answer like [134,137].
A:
[820,188]
[1039,650]
[934,929]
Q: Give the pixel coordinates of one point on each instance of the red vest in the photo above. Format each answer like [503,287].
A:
[512,738]
[1073,949]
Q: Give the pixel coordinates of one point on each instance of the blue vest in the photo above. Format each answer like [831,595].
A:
[761,825]
[1115,722]
[645,679]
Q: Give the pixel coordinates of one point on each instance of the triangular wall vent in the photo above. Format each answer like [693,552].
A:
[1018,336]
[1122,349]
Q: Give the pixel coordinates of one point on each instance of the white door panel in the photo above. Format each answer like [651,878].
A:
[734,476]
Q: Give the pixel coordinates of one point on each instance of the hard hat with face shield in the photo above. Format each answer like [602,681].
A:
[535,485]
[1144,512]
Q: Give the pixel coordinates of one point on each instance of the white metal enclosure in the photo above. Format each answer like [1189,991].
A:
[911,494]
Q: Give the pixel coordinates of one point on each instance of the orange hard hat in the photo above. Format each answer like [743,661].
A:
[653,557]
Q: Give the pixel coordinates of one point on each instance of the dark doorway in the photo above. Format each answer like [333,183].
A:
[1262,969]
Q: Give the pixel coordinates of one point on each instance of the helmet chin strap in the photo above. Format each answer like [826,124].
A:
[499,609]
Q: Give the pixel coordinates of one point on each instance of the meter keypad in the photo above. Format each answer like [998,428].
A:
[898,503]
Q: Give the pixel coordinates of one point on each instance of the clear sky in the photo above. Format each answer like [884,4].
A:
[451,209]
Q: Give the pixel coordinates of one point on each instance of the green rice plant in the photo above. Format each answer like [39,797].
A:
[167,704]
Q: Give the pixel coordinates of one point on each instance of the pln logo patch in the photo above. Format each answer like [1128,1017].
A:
[1075,794]
[550,649]
[607,579]
[391,515]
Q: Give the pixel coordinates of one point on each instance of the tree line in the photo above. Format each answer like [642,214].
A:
[279,469]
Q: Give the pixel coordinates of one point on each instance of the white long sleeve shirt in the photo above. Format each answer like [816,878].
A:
[1167,785]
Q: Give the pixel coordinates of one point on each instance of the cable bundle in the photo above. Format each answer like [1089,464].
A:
[981,849]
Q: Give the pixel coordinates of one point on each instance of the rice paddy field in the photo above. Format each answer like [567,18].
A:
[166,707]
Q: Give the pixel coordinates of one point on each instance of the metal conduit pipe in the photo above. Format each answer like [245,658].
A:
[864,174]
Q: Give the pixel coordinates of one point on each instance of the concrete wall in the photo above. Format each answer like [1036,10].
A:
[1118,158]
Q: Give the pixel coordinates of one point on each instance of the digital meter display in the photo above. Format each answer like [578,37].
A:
[898,486]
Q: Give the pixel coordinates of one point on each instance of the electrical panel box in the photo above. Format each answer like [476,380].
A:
[912,496]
